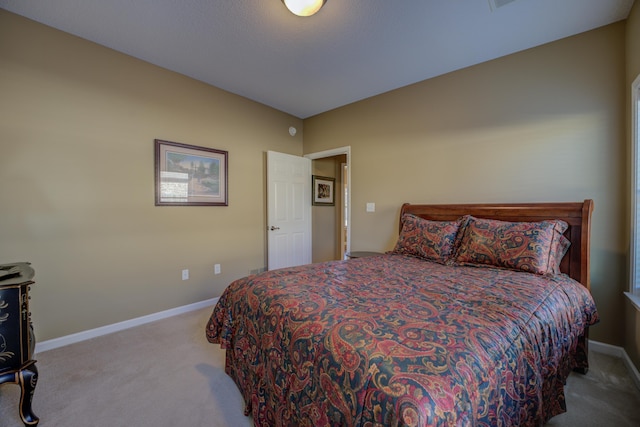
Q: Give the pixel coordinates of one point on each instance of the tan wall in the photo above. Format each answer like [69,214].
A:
[632,323]
[541,125]
[76,180]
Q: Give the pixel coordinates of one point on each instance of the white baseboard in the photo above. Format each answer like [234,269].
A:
[615,351]
[108,329]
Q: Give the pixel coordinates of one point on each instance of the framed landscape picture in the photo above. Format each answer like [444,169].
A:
[323,191]
[187,175]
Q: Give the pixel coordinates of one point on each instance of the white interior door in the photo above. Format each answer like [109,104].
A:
[288,210]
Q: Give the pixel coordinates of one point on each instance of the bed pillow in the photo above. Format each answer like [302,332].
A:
[559,251]
[431,240]
[528,246]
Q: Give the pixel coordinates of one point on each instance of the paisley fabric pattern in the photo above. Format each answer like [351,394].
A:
[526,246]
[558,251]
[394,340]
[432,240]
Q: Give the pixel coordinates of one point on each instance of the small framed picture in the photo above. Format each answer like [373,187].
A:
[323,191]
[187,175]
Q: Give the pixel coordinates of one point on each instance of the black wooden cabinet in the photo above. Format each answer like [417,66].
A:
[17,341]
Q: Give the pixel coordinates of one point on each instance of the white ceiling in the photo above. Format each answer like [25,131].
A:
[350,50]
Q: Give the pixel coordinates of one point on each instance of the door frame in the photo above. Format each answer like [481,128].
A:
[337,152]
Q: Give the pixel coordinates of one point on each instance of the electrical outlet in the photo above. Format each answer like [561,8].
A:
[216,269]
[185,274]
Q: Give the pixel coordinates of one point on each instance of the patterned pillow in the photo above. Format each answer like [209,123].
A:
[559,251]
[526,246]
[431,240]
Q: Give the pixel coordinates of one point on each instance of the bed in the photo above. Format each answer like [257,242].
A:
[476,317]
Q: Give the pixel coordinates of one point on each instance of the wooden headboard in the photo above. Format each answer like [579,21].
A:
[577,215]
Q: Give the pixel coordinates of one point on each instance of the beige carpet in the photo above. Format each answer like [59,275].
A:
[166,374]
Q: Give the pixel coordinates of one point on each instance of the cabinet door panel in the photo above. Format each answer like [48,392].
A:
[10,347]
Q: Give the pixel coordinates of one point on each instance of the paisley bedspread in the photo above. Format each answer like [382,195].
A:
[394,340]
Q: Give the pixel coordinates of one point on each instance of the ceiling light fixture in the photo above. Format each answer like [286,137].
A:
[304,7]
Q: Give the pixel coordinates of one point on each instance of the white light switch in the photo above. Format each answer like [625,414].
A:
[371,207]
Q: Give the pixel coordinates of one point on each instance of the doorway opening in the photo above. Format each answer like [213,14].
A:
[331,236]
[344,211]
